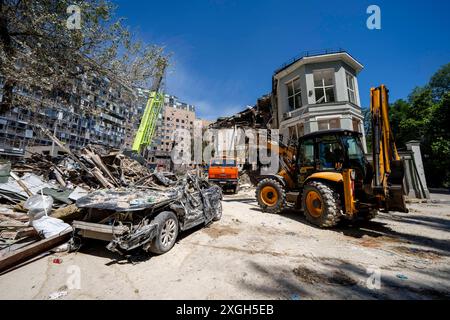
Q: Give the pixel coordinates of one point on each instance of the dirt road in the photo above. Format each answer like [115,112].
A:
[254,255]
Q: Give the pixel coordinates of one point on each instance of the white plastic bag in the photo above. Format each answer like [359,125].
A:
[38,206]
[48,226]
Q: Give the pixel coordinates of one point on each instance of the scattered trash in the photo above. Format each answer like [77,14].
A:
[62,248]
[295,297]
[78,193]
[57,261]
[57,295]
[38,206]
[402,277]
[48,226]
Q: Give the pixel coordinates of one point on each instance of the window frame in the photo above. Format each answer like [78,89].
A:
[358,124]
[352,78]
[323,86]
[328,122]
[303,160]
[294,93]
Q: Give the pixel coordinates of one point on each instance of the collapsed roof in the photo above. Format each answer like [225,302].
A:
[257,117]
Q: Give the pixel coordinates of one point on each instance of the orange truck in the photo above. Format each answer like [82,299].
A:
[225,173]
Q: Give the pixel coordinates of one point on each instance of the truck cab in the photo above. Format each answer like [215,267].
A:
[225,173]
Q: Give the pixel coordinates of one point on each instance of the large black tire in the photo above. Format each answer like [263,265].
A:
[274,200]
[218,215]
[329,204]
[370,215]
[166,234]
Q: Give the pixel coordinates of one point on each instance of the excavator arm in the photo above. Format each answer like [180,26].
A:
[388,167]
[147,127]
[286,158]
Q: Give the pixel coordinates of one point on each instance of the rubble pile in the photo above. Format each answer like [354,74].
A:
[65,180]
[47,201]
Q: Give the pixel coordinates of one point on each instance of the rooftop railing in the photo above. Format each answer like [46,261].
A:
[310,53]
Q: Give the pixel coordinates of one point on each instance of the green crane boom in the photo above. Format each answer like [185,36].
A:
[146,131]
[147,127]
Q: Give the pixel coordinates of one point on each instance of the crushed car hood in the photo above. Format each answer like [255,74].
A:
[127,200]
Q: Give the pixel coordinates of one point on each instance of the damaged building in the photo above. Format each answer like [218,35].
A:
[315,91]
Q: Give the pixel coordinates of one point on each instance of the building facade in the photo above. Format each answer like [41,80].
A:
[95,110]
[317,92]
[175,116]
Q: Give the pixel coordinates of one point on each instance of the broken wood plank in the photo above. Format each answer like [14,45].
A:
[99,176]
[21,184]
[64,148]
[59,178]
[99,163]
[14,258]
[15,235]
[66,213]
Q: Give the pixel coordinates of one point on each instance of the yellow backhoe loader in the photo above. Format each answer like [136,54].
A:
[331,176]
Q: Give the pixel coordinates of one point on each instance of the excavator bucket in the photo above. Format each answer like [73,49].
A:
[395,200]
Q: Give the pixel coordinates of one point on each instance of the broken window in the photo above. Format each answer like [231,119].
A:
[294,94]
[350,87]
[324,86]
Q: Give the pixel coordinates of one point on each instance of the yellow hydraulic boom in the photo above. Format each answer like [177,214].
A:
[388,167]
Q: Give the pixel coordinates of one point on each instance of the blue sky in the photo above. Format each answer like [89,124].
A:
[225,51]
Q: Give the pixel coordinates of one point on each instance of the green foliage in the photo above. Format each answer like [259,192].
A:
[38,50]
[425,116]
[368,128]
[440,82]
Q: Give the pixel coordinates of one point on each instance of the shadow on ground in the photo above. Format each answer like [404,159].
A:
[335,279]
[376,229]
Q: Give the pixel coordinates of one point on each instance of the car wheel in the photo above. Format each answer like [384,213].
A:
[166,234]
[218,215]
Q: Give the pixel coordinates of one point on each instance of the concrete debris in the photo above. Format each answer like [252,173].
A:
[105,194]
[57,295]
[14,192]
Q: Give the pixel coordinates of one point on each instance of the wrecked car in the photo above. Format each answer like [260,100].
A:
[148,217]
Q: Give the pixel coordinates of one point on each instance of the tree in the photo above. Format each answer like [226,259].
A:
[440,82]
[368,128]
[38,50]
[425,116]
